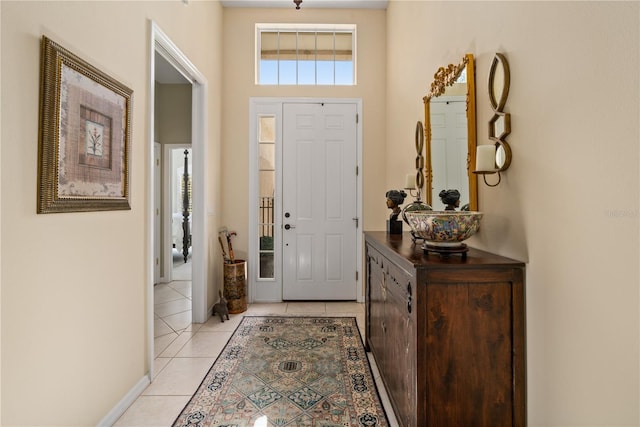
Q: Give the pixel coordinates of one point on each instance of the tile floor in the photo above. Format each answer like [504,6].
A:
[184,352]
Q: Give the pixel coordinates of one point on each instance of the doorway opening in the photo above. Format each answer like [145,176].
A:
[160,240]
[178,161]
[305,198]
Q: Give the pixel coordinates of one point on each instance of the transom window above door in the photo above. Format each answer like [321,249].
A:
[305,54]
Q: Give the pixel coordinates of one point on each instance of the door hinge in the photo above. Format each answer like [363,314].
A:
[357,118]
[357,220]
[357,170]
[356,275]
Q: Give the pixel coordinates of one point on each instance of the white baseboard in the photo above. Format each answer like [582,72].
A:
[124,404]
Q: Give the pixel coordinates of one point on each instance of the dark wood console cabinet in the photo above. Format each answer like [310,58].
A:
[447,334]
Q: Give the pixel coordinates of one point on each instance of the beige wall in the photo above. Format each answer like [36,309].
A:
[74,285]
[239,86]
[568,206]
[173,113]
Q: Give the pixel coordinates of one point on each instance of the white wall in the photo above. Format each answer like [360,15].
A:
[568,206]
[74,284]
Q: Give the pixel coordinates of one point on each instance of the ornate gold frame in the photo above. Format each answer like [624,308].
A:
[78,102]
[444,77]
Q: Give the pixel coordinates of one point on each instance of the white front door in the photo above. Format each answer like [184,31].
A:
[319,193]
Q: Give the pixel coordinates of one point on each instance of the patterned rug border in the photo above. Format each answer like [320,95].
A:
[292,316]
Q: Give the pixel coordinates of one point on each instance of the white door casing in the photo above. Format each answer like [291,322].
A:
[319,208]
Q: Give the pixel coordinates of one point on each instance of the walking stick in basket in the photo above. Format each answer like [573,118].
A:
[233,233]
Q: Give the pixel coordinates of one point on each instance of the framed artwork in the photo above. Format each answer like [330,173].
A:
[85,133]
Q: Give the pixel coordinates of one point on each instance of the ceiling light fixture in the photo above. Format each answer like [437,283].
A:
[297,2]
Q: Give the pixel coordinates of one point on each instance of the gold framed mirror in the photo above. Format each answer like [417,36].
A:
[450,135]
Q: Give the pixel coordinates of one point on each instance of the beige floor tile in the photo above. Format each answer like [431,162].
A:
[266,308]
[163,293]
[345,307]
[205,344]
[161,343]
[180,321]
[156,411]
[160,327]
[182,286]
[306,308]
[215,325]
[180,377]
[172,307]
[182,271]
[159,363]
[176,345]
[193,327]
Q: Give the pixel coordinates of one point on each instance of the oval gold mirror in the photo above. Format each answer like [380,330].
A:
[450,135]
[499,82]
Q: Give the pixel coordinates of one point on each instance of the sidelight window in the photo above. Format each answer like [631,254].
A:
[267,181]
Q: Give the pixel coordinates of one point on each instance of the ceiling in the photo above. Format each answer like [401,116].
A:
[309,4]
[166,73]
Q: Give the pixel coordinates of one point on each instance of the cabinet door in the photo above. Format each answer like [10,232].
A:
[400,348]
[375,302]
[469,346]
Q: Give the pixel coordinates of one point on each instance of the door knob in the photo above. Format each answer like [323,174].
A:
[288,226]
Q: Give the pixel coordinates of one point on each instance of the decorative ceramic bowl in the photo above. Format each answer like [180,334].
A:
[444,228]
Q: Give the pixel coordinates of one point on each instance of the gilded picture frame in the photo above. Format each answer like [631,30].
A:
[84,135]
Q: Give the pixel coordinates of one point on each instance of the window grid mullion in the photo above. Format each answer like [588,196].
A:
[334,57]
[278,58]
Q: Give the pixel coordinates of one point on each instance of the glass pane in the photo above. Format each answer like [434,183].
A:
[265,218]
[325,46]
[306,46]
[266,266]
[288,46]
[306,73]
[287,73]
[344,46]
[267,179]
[344,73]
[267,159]
[268,72]
[325,72]
[268,45]
[265,223]
[267,129]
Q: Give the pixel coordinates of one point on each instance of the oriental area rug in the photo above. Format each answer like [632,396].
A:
[288,371]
